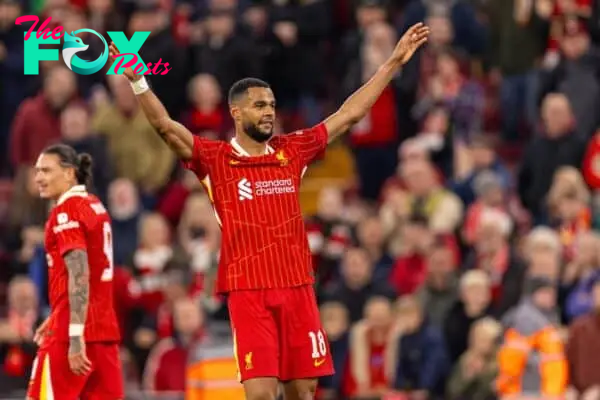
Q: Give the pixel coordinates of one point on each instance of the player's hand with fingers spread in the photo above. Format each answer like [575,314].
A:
[113,52]
[78,361]
[413,38]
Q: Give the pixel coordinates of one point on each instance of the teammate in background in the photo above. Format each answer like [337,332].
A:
[265,262]
[79,342]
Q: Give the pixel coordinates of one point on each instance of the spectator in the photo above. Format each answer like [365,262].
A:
[580,274]
[439,292]
[474,304]
[583,348]
[25,210]
[468,32]
[490,196]
[198,236]
[161,47]
[543,253]
[224,53]
[422,361]
[462,97]
[532,360]
[334,317]
[328,234]
[410,271]
[297,32]
[375,137]
[207,116]
[37,123]
[473,377]
[569,207]
[125,211]
[14,83]
[172,200]
[493,254]
[427,197]
[166,366]
[481,157]
[17,326]
[76,132]
[371,356]
[577,75]
[150,259]
[356,286]
[518,30]
[370,237]
[140,155]
[559,147]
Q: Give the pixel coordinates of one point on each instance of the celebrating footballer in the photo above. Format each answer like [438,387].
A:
[265,262]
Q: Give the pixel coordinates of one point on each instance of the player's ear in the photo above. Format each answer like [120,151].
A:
[235,112]
[70,174]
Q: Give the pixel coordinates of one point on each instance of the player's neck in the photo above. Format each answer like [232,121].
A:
[250,146]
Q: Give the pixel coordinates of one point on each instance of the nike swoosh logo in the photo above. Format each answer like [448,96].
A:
[233,162]
[318,363]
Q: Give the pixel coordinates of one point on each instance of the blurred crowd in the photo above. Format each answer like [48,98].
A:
[462,261]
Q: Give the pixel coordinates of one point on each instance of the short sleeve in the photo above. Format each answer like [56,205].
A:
[203,154]
[69,230]
[310,143]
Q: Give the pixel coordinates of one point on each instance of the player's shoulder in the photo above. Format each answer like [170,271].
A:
[82,206]
[299,136]
[207,144]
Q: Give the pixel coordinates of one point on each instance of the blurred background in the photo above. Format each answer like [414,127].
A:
[453,229]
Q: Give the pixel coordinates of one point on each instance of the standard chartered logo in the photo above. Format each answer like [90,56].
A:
[247,190]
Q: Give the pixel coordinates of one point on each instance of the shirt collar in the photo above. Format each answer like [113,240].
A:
[75,191]
[239,149]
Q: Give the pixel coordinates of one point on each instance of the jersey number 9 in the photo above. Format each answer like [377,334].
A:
[108,272]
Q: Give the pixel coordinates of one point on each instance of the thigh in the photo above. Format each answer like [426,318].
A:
[51,376]
[304,346]
[106,380]
[255,335]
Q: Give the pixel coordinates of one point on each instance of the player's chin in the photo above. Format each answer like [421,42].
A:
[266,132]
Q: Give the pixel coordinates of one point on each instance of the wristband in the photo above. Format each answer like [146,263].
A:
[140,86]
[76,330]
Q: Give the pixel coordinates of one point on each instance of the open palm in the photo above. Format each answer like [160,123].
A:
[412,39]
[113,52]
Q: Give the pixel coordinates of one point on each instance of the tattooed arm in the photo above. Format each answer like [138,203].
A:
[79,291]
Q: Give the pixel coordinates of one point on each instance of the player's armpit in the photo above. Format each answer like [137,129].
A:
[178,137]
[76,262]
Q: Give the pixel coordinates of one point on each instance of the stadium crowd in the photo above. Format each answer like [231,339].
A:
[461,262]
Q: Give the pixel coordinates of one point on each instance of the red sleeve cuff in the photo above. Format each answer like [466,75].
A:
[70,247]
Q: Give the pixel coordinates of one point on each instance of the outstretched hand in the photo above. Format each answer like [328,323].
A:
[413,38]
[113,52]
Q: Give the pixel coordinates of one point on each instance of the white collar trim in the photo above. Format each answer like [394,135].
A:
[236,146]
[75,191]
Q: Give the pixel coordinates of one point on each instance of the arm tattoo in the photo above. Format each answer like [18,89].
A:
[79,288]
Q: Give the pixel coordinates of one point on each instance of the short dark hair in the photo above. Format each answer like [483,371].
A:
[241,87]
[68,157]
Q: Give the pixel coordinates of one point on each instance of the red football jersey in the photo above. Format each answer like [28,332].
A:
[80,221]
[256,203]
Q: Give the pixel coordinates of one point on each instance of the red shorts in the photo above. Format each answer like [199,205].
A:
[277,333]
[52,378]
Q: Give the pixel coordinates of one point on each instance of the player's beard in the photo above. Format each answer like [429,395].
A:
[256,134]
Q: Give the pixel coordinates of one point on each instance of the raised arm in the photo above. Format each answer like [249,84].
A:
[179,139]
[360,102]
